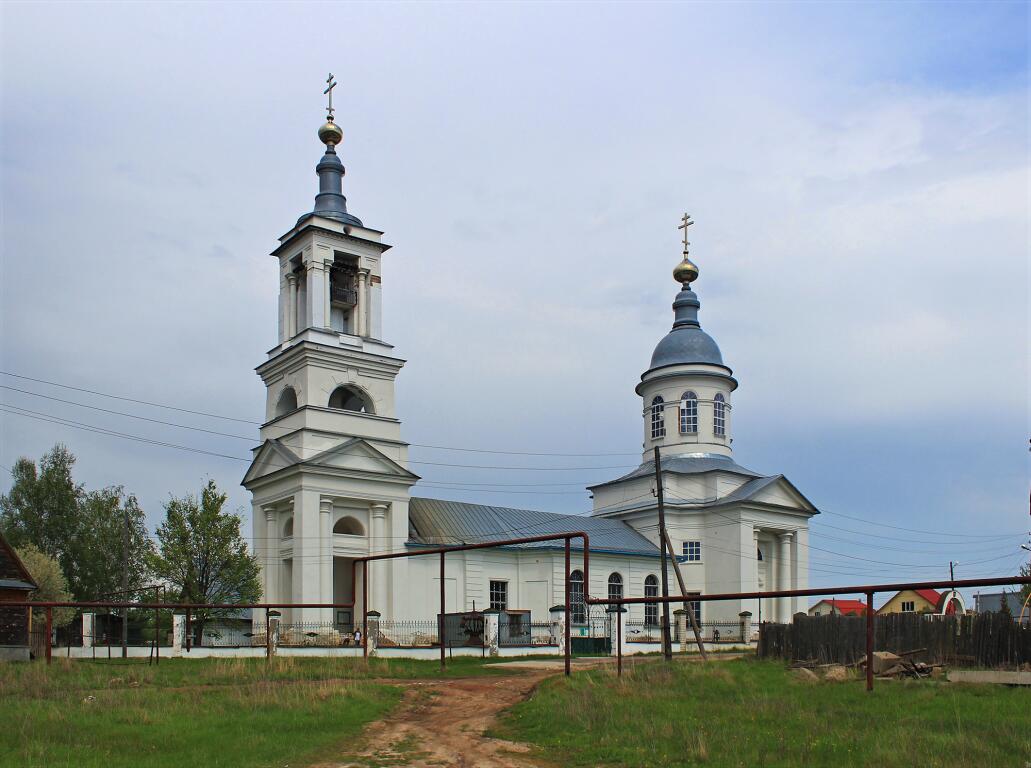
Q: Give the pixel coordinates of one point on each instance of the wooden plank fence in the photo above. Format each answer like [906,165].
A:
[983,640]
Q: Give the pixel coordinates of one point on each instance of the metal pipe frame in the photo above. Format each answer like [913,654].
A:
[868,589]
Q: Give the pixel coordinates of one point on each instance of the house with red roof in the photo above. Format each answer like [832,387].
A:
[912,601]
[838,607]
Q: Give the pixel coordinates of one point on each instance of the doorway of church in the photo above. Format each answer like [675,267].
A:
[343,618]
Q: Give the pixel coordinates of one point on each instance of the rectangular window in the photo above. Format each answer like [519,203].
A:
[695,607]
[908,606]
[499,595]
[693,551]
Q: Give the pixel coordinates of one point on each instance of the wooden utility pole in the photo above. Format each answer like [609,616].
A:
[125,582]
[683,591]
[667,641]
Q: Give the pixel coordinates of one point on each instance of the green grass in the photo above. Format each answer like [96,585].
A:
[750,713]
[206,712]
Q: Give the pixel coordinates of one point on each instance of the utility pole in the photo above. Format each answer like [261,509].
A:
[667,641]
[125,582]
[952,571]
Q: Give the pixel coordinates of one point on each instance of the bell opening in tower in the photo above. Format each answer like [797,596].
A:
[343,295]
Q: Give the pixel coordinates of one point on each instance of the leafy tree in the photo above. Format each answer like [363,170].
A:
[42,505]
[202,554]
[83,530]
[1025,591]
[1004,606]
[98,550]
[50,581]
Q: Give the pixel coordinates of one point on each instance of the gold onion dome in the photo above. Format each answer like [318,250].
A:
[685,272]
[330,133]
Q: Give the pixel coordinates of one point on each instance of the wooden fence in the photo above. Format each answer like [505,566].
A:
[983,640]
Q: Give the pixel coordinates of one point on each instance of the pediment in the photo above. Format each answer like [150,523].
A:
[271,457]
[782,493]
[357,455]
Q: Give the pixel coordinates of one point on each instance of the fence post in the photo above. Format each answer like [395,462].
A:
[189,632]
[491,630]
[178,624]
[373,638]
[442,634]
[745,626]
[680,619]
[365,608]
[565,616]
[50,629]
[869,641]
[558,627]
[87,630]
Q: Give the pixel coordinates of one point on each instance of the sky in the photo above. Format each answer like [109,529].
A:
[858,175]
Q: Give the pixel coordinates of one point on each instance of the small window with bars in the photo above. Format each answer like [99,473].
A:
[499,595]
[693,551]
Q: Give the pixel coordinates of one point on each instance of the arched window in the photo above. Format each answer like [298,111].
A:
[658,423]
[719,415]
[615,587]
[576,598]
[651,610]
[688,413]
[288,528]
[287,402]
[350,399]
[349,526]
[758,554]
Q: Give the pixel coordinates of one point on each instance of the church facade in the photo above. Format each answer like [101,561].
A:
[330,480]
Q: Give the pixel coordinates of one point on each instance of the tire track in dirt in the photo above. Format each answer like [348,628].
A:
[442,724]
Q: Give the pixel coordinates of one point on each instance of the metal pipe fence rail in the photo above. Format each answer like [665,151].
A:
[867,589]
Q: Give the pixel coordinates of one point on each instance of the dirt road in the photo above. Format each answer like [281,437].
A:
[441,724]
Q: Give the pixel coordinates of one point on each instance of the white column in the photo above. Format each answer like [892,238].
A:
[317,291]
[363,303]
[326,555]
[271,554]
[327,302]
[784,580]
[801,567]
[291,318]
[379,569]
[755,560]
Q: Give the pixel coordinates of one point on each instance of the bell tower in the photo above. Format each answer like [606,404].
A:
[330,478]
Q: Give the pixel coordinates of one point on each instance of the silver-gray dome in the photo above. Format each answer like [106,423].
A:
[686,345]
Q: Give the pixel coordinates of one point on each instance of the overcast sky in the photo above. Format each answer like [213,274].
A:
[859,175]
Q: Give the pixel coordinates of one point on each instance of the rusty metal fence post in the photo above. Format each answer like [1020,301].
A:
[869,641]
[50,629]
[441,630]
[569,615]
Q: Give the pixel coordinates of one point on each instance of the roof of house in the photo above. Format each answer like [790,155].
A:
[437,522]
[686,465]
[846,606]
[930,595]
[13,573]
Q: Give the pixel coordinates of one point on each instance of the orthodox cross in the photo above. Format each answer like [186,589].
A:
[331,84]
[686,223]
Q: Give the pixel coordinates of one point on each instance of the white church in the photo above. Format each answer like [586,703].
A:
[330,480]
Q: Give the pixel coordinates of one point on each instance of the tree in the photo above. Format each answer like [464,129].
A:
[98,550]
[50,582]
[83,530]
[42,506]
[1025,591]
[202,554]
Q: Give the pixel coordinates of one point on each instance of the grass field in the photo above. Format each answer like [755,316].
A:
[752,713]
[195,712]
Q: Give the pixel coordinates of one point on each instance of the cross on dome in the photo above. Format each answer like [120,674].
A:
[331,84]
[687,222]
